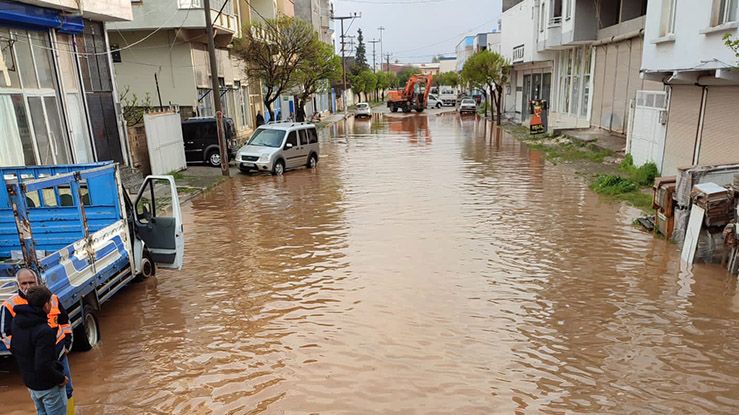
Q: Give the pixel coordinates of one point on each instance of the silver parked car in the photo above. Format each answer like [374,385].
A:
[278,147]
[467,106]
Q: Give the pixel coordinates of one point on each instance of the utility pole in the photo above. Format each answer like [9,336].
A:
[381,29]
[343,54]
[387,56]
[216,89]
[374,62]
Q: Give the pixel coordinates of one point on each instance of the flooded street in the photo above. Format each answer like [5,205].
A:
[424,268]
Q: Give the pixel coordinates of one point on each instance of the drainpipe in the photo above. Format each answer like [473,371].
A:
[701,122]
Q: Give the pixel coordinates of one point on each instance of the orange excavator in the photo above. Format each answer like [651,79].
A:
[413,97]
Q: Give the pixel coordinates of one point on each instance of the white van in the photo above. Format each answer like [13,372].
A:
[277,147]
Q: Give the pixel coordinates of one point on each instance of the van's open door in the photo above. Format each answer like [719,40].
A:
[159,221]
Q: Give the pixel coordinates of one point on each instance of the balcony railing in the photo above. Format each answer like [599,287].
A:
[555,21]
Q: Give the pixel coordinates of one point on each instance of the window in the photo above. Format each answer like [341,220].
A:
[205,102]
[29,104]
[724,11]
[568,9]
[292,139]
[303,137]
[542,15]
[668,17]
[190,4]
[312,136]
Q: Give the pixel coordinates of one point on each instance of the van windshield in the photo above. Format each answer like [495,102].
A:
[267,138]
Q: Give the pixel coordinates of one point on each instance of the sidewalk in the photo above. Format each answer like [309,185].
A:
[599,138]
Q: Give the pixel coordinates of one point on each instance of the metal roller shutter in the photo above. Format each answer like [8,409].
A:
[685,102]
[608,82]
[598,87]
[719,143]
[621,86]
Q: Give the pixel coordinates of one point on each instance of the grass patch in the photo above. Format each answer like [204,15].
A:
[631,186]
[177,174]
[571,152]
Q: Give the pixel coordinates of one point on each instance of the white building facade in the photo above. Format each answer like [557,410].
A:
[589,56]
[58,101]
[531,70]
[684,50]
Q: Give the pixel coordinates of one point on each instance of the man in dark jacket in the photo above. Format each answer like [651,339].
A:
[33,345]
[58,320]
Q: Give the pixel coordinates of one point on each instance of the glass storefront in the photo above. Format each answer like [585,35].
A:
[30,107]
[574,81]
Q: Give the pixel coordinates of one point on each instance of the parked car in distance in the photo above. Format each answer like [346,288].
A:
[200,135]
[277,147]
[467,106]
[363,110]
[434,102]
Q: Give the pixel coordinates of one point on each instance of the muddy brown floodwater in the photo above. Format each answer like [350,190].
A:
[423,268]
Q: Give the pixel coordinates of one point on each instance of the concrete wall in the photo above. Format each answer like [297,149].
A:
[690,47]
[101,10]
[160,13]
[520,28]
[173,66]
[447,65]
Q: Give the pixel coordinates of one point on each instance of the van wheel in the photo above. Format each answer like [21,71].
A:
[148,267]
[87,334]
[214,158]
[279,168]
[312,161]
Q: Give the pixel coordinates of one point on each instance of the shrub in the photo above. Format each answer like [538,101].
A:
[613,185]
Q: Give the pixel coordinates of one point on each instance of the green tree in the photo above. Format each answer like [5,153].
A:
[369,80]
[384,81]
[447,79]
[272,51]
[315,73]
[361,56]
[489,70]
[733,44]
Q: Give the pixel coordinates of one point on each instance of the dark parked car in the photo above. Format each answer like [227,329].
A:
[201,140]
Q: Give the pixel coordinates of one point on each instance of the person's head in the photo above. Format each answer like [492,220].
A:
[39,297]
[26,278]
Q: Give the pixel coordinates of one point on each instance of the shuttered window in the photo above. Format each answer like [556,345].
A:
[685,103]
[719,142]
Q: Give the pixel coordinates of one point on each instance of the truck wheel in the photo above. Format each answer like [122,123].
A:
[406,110]
[419,109]
[394,109]
[87,334]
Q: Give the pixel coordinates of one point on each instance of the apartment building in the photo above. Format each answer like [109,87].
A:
[447,64]
[464,50]
[595,50]
[57,91]
[164,57]
[685,51]
[318,14]
[531,69]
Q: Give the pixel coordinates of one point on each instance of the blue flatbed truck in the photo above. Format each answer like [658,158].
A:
[76,226]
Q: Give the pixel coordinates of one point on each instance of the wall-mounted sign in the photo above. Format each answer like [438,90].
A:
[518,52]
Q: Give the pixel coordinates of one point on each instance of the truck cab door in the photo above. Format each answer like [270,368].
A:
[158,221]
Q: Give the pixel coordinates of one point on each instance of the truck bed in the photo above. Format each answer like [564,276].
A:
[69,224]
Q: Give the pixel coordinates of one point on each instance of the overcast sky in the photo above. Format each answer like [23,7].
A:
[417,30]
